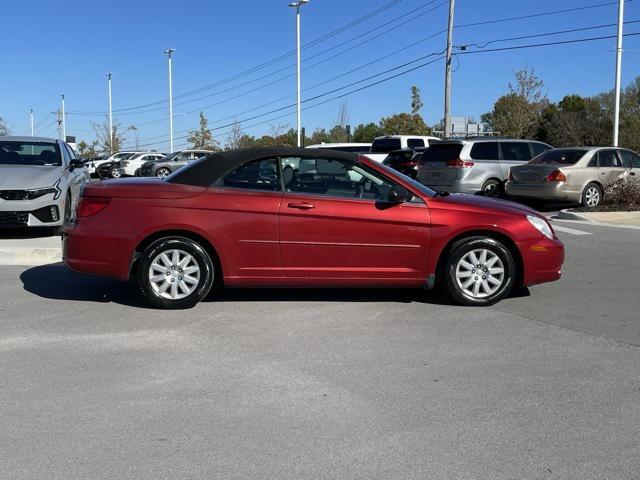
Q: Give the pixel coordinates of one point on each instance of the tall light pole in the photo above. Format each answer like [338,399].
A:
[64,124]
[31,117]
[616,117]
[447,73]
[169,53]
[109,75]
[297,6]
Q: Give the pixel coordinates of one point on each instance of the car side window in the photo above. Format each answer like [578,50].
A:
[607,159]
[254,175]
[538,148]
[65,155]
[415,142]
[484,151]
[518,151]
[70,151]
[334,178]
[630,159]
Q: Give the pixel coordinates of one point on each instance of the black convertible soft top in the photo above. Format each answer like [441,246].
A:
[206,171]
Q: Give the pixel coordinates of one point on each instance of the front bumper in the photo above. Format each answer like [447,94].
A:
[561,191]
[41,212]
[542,261]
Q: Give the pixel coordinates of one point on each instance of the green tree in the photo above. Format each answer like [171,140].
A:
[103,139]
[3,127]
[87,150]
[320,135]
[404,124]
[202,139]
[365,133]
[416,100]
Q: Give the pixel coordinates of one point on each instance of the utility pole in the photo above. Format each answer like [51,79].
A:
[64,125]
[169,53]
[110,115]
[59,121]
[616,118]
[31,117]
[447,73]
[297,6]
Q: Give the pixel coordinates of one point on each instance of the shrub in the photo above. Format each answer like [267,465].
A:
[623,194]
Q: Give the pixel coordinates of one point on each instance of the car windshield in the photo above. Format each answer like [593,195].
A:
[385,145]
[29,153]
[173,155]
[558,157]
[442,152]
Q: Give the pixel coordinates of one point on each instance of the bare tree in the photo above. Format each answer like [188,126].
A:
[104,138]
[528,85]
[416,100]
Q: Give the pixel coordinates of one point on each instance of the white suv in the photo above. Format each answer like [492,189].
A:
[382,146]
[132,165]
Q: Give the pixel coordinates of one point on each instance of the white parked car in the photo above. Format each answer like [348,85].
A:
[40,181]
[132,166]
[344,147]
[382,146]
[92,166]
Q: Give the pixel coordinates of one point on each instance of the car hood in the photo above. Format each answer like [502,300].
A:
[21,177]
[477,202]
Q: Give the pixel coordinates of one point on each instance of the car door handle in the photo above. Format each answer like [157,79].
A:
[301,206]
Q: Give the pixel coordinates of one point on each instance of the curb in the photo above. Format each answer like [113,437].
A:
[568,215]
[26,256]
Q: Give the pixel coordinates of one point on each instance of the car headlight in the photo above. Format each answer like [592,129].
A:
[541,225]
[39,192]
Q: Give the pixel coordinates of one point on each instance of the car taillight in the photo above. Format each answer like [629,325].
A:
[458,163]
[556,176]
[89,206]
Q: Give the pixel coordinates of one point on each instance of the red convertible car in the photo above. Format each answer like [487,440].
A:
[304,218]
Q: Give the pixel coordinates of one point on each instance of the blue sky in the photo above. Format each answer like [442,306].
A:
[67,47]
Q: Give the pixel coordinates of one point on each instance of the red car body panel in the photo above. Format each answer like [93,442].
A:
[285,239]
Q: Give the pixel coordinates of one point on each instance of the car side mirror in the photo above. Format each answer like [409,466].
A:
[398,195]
[75,163]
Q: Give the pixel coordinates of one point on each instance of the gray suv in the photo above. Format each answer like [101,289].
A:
[475,165]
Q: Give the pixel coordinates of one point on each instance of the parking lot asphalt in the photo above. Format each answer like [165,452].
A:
[291,384]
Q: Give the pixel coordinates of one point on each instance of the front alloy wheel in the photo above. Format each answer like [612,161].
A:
[163,172]
[479,271]
[114,172]
[175,272]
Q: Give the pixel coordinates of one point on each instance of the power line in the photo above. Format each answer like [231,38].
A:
[422,58]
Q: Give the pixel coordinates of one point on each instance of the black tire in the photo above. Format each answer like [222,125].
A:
[163,172]
[137,173]
[453,285]
[592,195]
[493,188]
[66,214]
[206,265]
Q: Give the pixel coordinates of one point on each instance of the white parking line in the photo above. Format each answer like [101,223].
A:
[572,231]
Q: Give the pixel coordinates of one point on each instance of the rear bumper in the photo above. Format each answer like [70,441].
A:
[98,253]
[543,191]
[542,261]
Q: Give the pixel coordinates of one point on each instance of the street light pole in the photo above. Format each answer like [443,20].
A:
[447,73]
[31,116]
[616,118]
[297,6]
[169,53]
[64,123]
[109,75]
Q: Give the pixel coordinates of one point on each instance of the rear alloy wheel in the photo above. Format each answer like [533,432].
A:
[163,172]
[175,272]
[591,196]
[492,188]
[114,172]
[136,173]
[479,271]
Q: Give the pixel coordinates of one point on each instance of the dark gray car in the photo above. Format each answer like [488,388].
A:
[172,163]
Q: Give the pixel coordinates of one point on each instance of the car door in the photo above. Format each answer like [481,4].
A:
[513,154]
[241,212]
[631,161]
[610,167]
[336,226]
